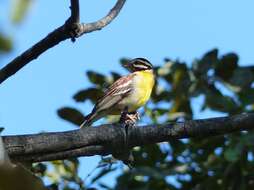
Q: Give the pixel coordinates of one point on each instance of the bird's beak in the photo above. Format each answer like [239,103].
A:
[127,65]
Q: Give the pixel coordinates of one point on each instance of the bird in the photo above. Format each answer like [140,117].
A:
[128,93]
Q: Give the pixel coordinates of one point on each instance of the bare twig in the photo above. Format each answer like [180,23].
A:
[72,29]
[74,11]
[107,139]
[98,25]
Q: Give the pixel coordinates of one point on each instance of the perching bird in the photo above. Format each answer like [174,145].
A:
[128,92]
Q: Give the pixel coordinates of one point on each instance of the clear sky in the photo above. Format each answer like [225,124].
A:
[152,29]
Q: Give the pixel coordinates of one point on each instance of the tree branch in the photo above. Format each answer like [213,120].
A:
[70,29]
[107,139]
[89,27]
[74,11]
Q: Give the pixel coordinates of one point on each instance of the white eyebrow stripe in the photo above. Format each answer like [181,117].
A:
[141,66]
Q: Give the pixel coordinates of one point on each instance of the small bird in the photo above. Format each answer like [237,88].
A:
[128,93]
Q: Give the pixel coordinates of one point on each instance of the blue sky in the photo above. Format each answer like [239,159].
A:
[152,29]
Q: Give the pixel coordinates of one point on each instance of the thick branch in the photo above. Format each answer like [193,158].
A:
[107,139]
[71,29]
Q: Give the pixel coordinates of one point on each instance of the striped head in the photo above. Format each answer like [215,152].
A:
[138,64]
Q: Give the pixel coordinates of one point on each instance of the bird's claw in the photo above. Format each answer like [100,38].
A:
[132,118]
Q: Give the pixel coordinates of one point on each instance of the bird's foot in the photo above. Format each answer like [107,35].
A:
[129,118]
[128,121]
[132,118]
[123,117]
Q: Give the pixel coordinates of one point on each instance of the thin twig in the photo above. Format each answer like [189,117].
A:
[98,25]
[74,11]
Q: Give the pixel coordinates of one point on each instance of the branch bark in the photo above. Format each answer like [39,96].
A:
[107,139]
[71,29]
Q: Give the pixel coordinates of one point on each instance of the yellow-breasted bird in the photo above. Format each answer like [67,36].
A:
[128,92]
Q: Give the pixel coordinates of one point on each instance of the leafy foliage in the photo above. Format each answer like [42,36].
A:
[5,43]
[226,162]
[19,10]
[71,114]
[63,174]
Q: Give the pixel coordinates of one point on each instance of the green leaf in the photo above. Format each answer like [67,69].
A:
[207,62]
[242,78]
[5,43]
[149,171]
[96,78]
[19,10]
[247,96]
[92,94]
[39,169]
[226,66]
[155,156]
[71,114]
[197,88]
[123,61]
[215,100]
[115,75]
[128,181]
[161,95]
[180,106]
[180,79]
[71,167]
[164,70]
[233,154]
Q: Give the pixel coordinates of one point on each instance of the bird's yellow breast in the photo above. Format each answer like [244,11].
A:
[143,84]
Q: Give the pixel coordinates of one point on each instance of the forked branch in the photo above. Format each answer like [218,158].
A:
[71,29]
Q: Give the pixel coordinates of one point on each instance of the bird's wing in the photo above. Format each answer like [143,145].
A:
[115,93]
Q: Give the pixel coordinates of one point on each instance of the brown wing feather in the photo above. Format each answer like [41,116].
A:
[119,89]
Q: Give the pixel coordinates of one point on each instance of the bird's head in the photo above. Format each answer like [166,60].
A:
[138,64]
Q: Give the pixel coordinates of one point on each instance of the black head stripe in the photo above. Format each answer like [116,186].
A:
[141,64]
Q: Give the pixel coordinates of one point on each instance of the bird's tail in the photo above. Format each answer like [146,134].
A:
[89,119]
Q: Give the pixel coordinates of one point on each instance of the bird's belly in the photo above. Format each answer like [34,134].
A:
[139,95]
[133,102]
